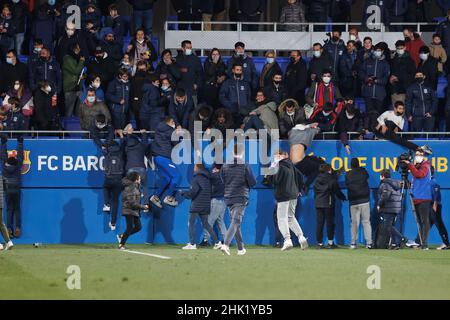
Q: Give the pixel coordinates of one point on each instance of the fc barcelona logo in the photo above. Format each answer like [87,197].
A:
[26,160]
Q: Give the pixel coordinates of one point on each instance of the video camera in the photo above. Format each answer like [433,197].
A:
[401,166]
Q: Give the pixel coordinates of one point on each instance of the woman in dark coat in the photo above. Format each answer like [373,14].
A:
[215,74]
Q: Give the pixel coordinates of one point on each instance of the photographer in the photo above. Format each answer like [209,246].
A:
[421,192]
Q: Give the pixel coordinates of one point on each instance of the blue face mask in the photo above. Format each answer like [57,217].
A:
[9,60]
[51,2]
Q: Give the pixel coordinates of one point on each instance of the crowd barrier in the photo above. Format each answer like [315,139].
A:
[62,195]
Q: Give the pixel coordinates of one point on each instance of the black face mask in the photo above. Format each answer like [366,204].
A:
[292,59]
[43,58]
[334,39]
[419,79]
[237,76]
[277,81]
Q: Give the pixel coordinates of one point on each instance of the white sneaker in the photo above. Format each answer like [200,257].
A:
[412,244]
[303,243]
[442,247]
[171,201]
[122,247]
[9,245]
[217,246]
[353,246]
[156,201]
[287,245]
[119,238]
[112,226]
[190,247]
[106,208]
[1,246]
[225,249]
[241,252]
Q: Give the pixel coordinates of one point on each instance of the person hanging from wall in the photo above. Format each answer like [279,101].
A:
[3,230]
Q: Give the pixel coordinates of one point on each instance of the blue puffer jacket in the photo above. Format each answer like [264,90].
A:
[378,68]
[200,192]
[390,196]
[46,70]
[335,51]
[117,90]
[162,144]
[235,95]
[238,179]
[135,150]
[420,99]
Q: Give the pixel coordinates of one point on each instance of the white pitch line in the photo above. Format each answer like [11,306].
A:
[147,254]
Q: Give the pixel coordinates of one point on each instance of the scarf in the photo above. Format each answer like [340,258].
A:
[320,94]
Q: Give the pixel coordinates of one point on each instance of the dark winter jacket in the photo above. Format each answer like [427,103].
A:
[171,71]
[117,90]
[335,52]
[151,102]
[44,27]
[191,72]
[275,93]
[390,196]
[235,95]
[12,174]
[287,122]
[295,79]
[238,179]
[248,69]
[10,74]
[200,193]
[357,184]
[131,199]
[15,120]
[7,38]
[378,68]
[180,112]
[287,182]
[318,65]
[326,122]
[404,68]
[194,117]
[326,188]
[443,30]
[228,121]
[113,49]
[267,73]
[43,112]
[345,125]
[162,144]
[294,13]
[97,134]
[347,65]
[420,99]
[118,26]
[430,69]
[213,71]
[217,186]
[114,161]
[105,68]
[46,70]
[135,150]
[65,42]
[21,16]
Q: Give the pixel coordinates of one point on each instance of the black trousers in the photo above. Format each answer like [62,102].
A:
[325,214]
[14,215]
[244,17]
[186,16]
[436,219]
[374,108]
[133,226]
[423,217]
[395,138]
[111,191]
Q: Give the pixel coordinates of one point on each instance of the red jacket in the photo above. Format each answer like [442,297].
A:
[413,47]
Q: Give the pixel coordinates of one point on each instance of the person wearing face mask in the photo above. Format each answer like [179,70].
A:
[141,48]
[249,69]
[374,74]
[324,117]
[118,99]
[43,26]
[72,67]
[421,192]
[103,66]
[47,68]
[168,68]
[293,12]
[202,114]
[353,35]
[290,114]
[438,52]
[13,70]
[270,68]
[22,16]
[296,77]
[93,14]
[44,115]
[34,56]
[8,27]
[429,67]
[413,43]
[215,74]
[235,95]
[320,93]
[89,109]
[100,129]
[366,51]
[276,90]
[348,121]
[112,48]
[15,119]
[116,22]
[421,105]
[151,112]
[140,78]
[180,108]
[71,37]
[335,47]
[403,70]
[95,83]
[21,92]
[264,116]
[320,61]
[348,70]
[191,70]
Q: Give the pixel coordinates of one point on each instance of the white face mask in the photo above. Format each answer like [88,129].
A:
[317,54]
[188,52]
[349,116]
[141,41]
[326,80]
[91,99]
[326,114]
[270,60]
[377,54]
[16,87]
[419,159]
[290,113]
[165,88]
[400,51]
[423,56]
[70,32]
[48,88]
[96,84]
[352,37]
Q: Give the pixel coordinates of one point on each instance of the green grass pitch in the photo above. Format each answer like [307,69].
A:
[264,273]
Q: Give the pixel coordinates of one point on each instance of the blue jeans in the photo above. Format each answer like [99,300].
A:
[218,208]
[143,19]
[144,180]
[170,177]
[18,41]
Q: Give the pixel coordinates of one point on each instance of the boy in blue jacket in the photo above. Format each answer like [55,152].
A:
[200,193]
[238,179]
[151,112]
[118,96]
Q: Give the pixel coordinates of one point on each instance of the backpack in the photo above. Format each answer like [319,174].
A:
[114,165]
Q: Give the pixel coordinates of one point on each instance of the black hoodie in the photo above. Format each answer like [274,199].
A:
[357,184]
[287,182]
[325,189]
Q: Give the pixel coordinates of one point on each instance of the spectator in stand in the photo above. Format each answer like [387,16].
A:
[250,11]
[295,77]
[140,78]
[419,11]
[191,71]
[222,120]
[366,51]
[348,121]
[180,108]
[249,69]
[15,120]
[203,114]
[44,25]
[353,35]
[396,11]
[143,15]
[429,67]
[235,95]
[269,69]
[21,92]
[44,113]
[94,83]
[188,11]
[168,68]
[213,10]
[8,27]
[264,116]
[115,21]
[335,47]
[47,68]
[68,39]
[90,108]
[99,129]
[444,5]
[323,91]
[374,74]
[91,36]
[109,44]
[321,61]
[22,16]
[151,112]
[103,66]
[117,96]
[413,43]
[403,70]
[318,12]
[443,30]
[215,74]
[72,70]
[35,54]
[128,64]
[290,114]
[93,15]
[12,71]
[438,52]
[348,70]
[141,48]
[276,90]
[166,94]
[293,12]
[421,104]
[324,117]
